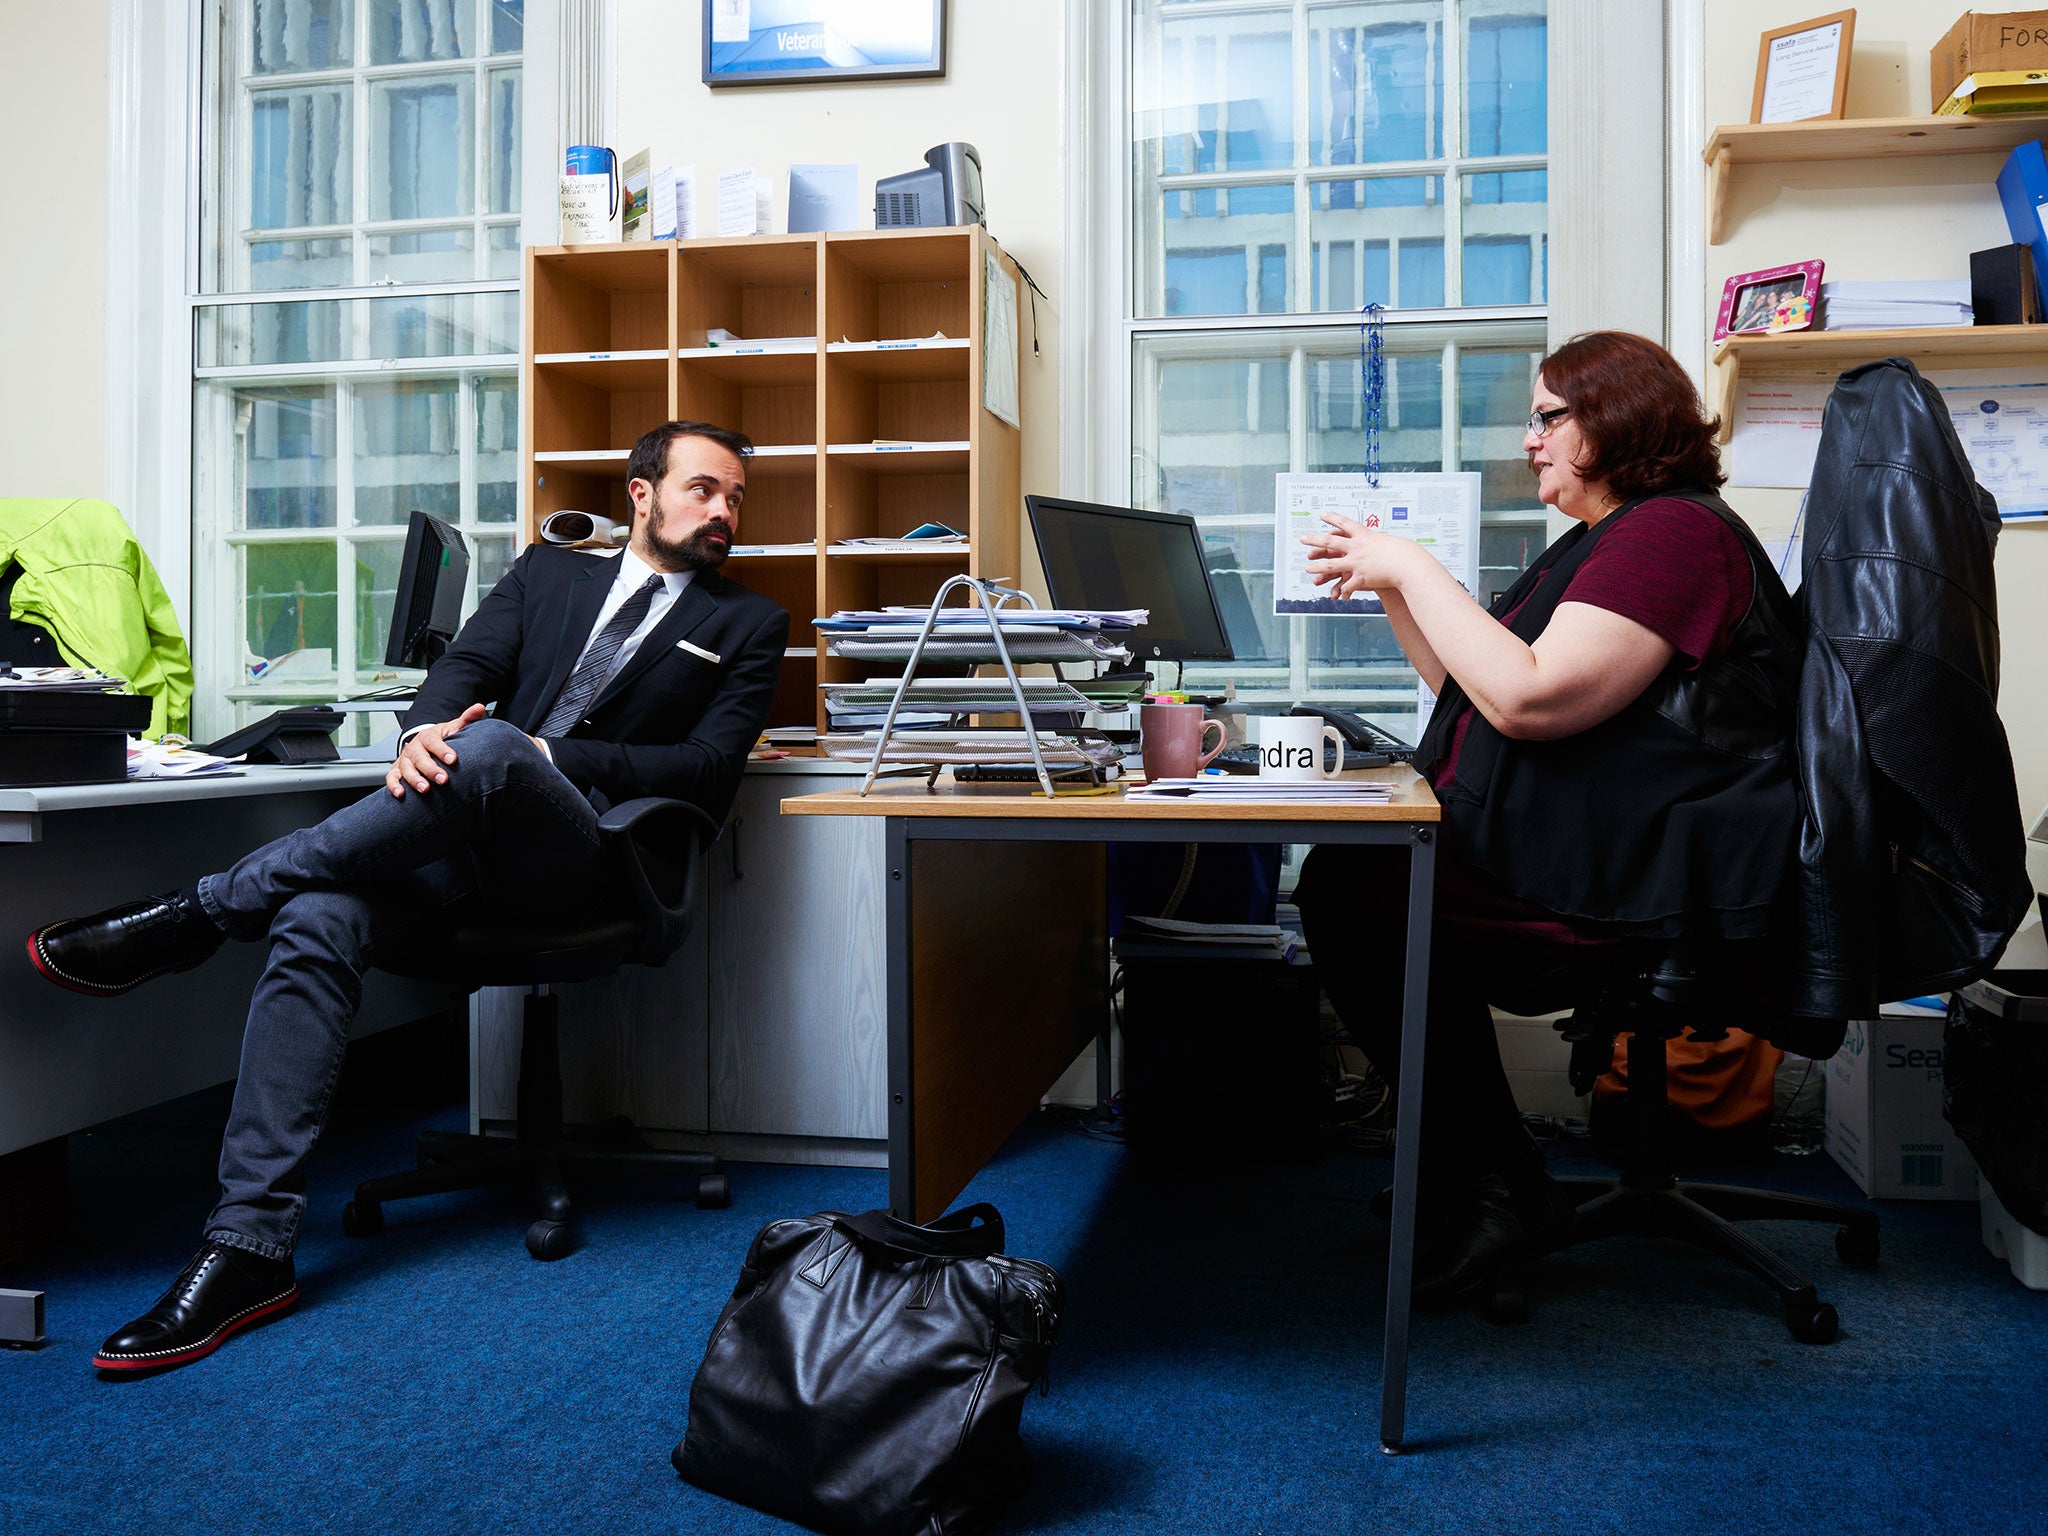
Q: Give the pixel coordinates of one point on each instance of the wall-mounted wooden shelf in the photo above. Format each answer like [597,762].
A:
[1843,349]
[1858,138]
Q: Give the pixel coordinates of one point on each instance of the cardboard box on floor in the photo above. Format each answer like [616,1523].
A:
[1979,42]
[1884,1123]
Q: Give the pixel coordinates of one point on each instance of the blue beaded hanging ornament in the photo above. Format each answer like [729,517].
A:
[1372,378]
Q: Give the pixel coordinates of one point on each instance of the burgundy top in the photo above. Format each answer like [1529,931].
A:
[1677,570]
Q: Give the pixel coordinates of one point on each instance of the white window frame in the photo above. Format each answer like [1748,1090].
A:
[1608,255]
[156,119]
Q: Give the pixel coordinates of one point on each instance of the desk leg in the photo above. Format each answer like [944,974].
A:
[1407,1134]
[902,1030]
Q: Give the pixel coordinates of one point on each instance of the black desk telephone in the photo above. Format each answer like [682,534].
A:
[303,733]
[1359,733]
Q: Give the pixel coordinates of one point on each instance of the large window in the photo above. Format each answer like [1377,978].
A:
[1291,162]
[356,341]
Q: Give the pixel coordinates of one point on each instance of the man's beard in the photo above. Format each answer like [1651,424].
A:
[703,550]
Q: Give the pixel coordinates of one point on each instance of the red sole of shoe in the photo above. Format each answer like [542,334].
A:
[84,989]
[199,1351]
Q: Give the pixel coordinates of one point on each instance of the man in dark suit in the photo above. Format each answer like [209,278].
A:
[580,683]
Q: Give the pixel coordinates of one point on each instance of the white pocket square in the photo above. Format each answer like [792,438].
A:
[698,650]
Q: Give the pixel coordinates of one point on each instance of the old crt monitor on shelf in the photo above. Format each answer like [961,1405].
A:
[1117,557]
[431,581]
[947,191]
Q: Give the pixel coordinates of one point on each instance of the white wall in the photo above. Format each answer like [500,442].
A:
[1001,93]
[53,266]
[1905,219]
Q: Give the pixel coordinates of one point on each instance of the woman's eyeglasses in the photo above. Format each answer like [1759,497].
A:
[1540,422]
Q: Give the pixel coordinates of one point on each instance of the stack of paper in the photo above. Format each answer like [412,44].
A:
[1895,306]
[1267,938]
[155,760]
[966,746]
[1221,787]
[59,679]
[963,634]
[961,695]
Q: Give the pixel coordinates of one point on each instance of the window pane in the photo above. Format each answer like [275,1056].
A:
[408,450]
[299,157]
[422,147]
[491,556]
[288,604]
[508,26]
[359,330]
[1227,251]
[415,31]
[1370,232]
[1507,237]
[497,450]
[275,264]
[376,588]
[1227,93]
[1507,110]
[501,171]
[424,256]
[287,36]
[1222,436]
[503,257]
[1411,423]
[287,442]
[1376,84]
[1493,414]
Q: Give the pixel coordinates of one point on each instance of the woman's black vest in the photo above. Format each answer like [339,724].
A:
[1679,813]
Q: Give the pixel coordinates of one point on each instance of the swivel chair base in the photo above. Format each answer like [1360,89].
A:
[536,1156]
[1649,1202]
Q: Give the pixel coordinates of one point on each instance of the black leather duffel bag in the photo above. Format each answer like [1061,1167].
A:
[868,1375]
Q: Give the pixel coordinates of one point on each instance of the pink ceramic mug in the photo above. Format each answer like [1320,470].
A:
[1171,737]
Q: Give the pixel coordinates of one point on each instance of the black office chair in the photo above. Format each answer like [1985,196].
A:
[1656,995]
[655,848]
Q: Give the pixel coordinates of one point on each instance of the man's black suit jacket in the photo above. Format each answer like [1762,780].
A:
[672,722]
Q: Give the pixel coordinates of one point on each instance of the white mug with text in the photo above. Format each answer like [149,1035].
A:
[1291,748]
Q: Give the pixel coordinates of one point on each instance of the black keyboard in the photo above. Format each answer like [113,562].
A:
[1245,759]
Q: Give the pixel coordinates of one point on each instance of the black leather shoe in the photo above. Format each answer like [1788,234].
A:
[113,951]
[221,1292]
[1495,1227]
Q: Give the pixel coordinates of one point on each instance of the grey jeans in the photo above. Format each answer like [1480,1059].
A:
[506,834]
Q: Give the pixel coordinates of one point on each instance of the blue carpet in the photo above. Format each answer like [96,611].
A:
[1218,1370]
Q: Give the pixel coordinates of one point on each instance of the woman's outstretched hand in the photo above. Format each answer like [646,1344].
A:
[1355,558]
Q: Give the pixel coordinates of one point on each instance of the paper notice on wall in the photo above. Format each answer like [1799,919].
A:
[731,21]
[590,211]
[823,197]
[1438,511]
[2004,430]
[738,206]
[999,344]
[1776,431]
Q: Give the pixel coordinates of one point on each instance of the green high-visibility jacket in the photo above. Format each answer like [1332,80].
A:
[86,580]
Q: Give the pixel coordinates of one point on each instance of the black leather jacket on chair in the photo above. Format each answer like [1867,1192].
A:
[1912,862]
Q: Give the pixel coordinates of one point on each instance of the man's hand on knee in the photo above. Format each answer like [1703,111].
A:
[425,760]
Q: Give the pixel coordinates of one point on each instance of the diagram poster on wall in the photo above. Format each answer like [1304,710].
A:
[1438,511]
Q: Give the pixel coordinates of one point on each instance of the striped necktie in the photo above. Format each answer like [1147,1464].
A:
[596,666]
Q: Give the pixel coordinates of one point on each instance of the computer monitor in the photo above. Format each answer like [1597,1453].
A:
[431,581]
[1118,557]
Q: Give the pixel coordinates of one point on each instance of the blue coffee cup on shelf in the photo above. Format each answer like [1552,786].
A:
[596,160]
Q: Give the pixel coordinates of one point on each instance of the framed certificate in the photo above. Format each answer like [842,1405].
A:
[1802,71]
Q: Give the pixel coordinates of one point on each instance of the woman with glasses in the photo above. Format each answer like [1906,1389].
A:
[1611,747]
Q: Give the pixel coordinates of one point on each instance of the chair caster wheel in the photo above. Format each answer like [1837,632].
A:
[713,1193]
[1811,1322]
[549,1240]
[362,1218]
[1857,1248]
[1506,1300]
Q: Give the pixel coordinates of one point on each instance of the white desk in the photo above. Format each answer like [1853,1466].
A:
[68,1061]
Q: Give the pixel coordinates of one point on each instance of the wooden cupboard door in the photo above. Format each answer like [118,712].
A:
[799,1003]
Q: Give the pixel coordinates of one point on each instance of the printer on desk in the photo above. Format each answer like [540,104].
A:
[65,735]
